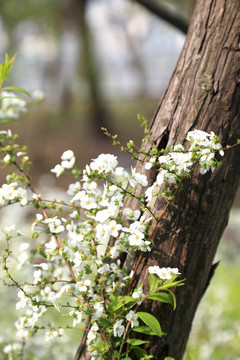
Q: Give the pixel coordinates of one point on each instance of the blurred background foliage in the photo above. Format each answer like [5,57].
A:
[100,63]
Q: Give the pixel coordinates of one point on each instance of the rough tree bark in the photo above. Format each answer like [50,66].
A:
[203,93]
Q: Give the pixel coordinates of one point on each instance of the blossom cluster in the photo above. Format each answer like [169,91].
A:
[12,192]
[68,160]
[11,105]
[163,273]
[178,162]
[76,262]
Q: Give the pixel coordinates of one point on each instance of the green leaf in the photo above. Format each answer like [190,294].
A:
[136,342]
[128,299]
[169,358]
[116,304]
[172,284]
[5,120]
[188,357]
[101,344]
[170,281]
[139,352]
[103,322]
[153,282]
[150,321]
[144,330]
[6,67]
[11,97]
[173,299]
[116,354]
[16,88]
[119,302]
[162,297]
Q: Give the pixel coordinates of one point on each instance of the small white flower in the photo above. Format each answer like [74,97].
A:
[54,224]
[39,217]
[104,163]
[23,301]
[74,188]
[77,316]
[11,105]
[198,137]
[83,285]
[131,214]
[38,95]
[114,251]
[68,164]
[137,178]
[88,202]
[114,228]
[51,245]
[14,347]
[153,269]
[74,214]
[145,246]
[132,318]
[136,238]
[92,333]
[149,192]
[36,197]
[43,266]
[10,228]
[118,328]
[67,155]
[99,310]
[52,334]
[105,268]
[162,273]
[174,271]
[207,155]
[7,158]
[150,164]
[24,202]
[138,295]
[58,169]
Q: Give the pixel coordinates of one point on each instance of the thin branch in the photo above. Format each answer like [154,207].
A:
[166,14]
[82,345]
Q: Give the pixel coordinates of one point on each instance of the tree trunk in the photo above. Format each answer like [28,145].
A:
[204,94]
[98,115]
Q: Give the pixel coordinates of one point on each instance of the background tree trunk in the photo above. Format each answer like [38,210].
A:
[203,93]
[98,112]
